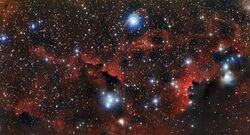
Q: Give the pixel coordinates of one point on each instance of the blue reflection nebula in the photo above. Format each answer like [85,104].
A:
[110,100]
[134,21]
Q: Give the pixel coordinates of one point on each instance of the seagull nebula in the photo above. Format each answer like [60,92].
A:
[125,67]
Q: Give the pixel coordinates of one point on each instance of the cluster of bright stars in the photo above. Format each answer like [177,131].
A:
[228,77]
[34,25]
[174,83]
[4,38]
[110,100]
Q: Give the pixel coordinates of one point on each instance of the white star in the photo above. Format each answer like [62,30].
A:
[188,61]
[225,67]
[121,121]
[228,78]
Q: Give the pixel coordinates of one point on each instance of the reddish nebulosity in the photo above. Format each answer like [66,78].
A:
[113,69]
[8,8]
[26,105]
[114,128]
[144,129]
[90,59]
[30,102]
[59,124]
[71,62]
[145,43]
[179,99]
[242,88]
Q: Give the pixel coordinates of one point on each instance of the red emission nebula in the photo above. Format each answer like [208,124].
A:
[124,67]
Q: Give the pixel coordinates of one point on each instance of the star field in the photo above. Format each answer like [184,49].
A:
[127,67]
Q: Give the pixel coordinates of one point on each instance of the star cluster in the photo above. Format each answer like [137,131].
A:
[125,67]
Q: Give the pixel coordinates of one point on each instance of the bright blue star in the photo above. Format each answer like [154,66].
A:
[3,38]
[110,100]
[77,50]
[33,26]
[225,66]
[46,59]
[155,101]
[134,21]
[40,21]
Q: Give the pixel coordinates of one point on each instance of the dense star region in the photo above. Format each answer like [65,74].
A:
[125,67]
